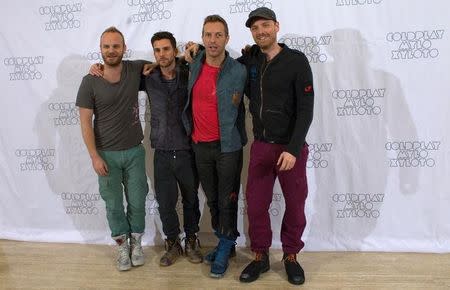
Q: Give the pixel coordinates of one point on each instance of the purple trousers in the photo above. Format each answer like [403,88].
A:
[262,172]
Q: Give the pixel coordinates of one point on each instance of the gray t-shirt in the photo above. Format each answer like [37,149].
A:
[116,107]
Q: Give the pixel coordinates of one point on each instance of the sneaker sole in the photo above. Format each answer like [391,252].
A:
[195,262]
[123,269]
[137,264]
[217,276]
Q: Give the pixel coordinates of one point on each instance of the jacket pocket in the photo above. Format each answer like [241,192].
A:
[276,123]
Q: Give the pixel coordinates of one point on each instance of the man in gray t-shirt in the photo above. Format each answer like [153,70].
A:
[114,144]
[115,106]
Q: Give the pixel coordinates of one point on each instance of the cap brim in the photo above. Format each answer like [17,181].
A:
[249,21]
[252,19]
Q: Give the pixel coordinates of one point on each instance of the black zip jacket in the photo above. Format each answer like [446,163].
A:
[281,96]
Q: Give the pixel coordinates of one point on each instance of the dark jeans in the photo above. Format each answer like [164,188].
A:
[262,172]
[220,176]
[173,169]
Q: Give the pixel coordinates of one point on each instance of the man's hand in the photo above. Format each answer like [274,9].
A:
[190,51]
[246,49]
[99,165]
[148,68]
[286,161]
[96,70]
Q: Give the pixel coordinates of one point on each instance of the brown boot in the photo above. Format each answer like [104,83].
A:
[192,249]
[173,251]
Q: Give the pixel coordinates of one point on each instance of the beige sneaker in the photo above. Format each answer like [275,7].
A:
[137,254]
[192,249]
[173,251]
[123,255]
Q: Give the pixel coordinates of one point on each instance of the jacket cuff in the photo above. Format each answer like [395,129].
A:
[294,149]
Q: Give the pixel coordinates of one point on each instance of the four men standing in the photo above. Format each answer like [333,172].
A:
[278,82]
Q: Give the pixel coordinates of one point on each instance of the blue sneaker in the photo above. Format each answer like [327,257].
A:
[220,264]
[209,258]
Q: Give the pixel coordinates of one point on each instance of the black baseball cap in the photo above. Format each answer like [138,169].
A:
[261,12]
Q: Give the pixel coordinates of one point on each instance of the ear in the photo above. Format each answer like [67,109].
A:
[228,38]
[277,26]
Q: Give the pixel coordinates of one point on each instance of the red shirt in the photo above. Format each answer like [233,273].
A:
[204,106]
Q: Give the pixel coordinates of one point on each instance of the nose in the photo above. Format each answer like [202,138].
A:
[213,38]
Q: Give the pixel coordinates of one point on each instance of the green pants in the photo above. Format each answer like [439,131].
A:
[126,174]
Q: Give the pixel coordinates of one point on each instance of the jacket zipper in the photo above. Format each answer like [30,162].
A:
[261,93]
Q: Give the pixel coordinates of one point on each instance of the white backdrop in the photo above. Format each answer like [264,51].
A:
[378,170]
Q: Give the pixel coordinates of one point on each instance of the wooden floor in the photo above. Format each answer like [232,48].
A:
[25,265]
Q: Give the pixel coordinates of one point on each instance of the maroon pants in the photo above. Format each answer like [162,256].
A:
[262,172]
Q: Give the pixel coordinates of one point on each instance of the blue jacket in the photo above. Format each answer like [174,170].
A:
[230,92]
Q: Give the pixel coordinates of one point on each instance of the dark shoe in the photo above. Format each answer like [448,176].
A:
[211,256]
[220,264]
[256,267]
[173,251]
[192,249]
[294,271]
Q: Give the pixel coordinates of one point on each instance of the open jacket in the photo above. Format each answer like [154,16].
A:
[230,91]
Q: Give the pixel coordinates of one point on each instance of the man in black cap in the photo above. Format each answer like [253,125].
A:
[280,89]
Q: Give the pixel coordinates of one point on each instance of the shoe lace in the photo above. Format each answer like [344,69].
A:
[290,258]
[123,255]
[169,244]
[192,241]
[135,242]
[259,257]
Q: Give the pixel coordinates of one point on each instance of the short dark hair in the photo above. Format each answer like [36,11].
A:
[215,18]
[164,35]
[113,29]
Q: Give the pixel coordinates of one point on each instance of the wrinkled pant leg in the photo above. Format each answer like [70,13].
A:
[259,192]
[136,187]
[166,192]
[295,190]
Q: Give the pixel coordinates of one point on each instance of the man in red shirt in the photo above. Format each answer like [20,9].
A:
[214,114]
